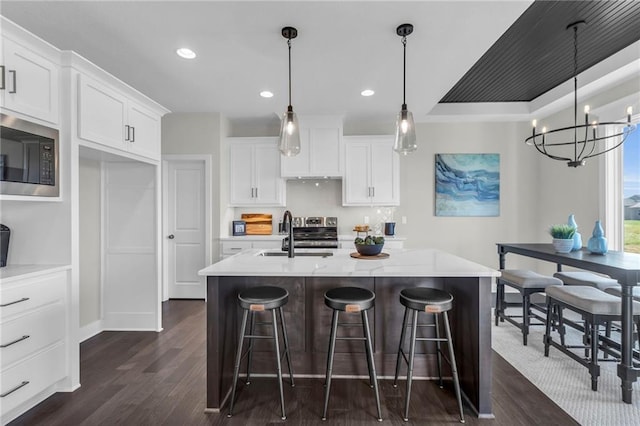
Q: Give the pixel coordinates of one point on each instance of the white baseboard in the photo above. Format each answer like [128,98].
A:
[90,330]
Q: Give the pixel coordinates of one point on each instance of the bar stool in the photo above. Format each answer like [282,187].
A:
[597,307]
[527,283]
[350,300]
[586,278]
[431,301]
[260,299]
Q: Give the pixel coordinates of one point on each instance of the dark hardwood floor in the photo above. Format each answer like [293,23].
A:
[147,378]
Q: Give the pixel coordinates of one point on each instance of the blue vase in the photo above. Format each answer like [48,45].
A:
[597,244]
[577,238]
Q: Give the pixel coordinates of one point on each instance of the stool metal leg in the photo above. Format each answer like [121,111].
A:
[412,352]
[278,364]
[402,335]
[499,287]
[372,372]
[286,345]
[454,368]
[370,368]
[252,328]
[332,347]
[438,349]
[594,368]
[547,333]
[526,307]
[236,371]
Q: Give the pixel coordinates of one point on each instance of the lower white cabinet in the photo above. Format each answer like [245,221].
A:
[33,340]
[230,247]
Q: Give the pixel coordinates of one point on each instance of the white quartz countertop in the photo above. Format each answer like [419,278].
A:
[279,237]
[13,272]
[400,263]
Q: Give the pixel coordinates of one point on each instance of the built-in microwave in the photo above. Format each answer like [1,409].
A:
[28,158]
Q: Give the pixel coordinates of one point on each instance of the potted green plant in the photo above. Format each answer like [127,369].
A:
[562,237]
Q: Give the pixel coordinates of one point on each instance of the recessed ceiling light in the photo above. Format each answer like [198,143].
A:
[266,94]
[186,53]
[367,92]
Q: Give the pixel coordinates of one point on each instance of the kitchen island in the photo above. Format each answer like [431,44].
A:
[308,277]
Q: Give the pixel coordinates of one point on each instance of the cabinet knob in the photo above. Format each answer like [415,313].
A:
[171,237]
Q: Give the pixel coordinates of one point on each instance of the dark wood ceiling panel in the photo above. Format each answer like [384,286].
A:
[536,53]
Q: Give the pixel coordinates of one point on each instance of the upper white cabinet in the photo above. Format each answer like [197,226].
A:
[108,117]
[320,149]
[254,172]
[29,82]
[372,172]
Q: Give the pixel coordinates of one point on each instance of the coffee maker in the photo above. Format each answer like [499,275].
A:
[5,233]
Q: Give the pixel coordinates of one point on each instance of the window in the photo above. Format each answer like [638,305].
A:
[631,192]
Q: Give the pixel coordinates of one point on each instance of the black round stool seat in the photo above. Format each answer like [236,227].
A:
[342,298]
[266,297]
[426,299]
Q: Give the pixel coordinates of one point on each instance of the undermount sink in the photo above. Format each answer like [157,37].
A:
[306,253]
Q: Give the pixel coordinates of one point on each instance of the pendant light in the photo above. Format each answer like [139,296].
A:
[574,144]
[405,127]
[289,144]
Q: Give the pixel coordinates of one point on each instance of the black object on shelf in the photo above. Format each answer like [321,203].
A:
[5,233]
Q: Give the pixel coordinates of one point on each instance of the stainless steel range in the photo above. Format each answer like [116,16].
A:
[313,232]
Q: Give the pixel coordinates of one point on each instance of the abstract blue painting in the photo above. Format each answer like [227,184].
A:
[467,184]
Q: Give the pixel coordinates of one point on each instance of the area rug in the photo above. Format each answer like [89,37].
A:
[565,381]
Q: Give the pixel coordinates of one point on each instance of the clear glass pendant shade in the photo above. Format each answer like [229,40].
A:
[289,144]
[405,133]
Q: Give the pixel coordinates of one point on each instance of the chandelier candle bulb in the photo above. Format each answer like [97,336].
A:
[629,112]
[586,114]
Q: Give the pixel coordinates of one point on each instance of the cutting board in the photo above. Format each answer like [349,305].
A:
[258,223]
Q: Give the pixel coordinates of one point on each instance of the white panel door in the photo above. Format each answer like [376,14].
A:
[324,157]
[186,227]
[131,287]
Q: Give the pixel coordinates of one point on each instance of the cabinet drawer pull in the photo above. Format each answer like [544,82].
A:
[15,341]
[24,299]
[133,134]
[9,392]
[126,129]
[2,78]
[13,78]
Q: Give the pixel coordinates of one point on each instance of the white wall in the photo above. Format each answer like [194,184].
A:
[90,208]
[198,133]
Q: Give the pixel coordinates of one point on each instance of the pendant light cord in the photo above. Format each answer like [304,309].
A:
[289,44]
[404,72]
[575,89]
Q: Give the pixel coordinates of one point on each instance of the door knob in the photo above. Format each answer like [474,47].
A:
[171,237]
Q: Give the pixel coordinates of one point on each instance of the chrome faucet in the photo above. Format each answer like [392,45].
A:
[287,214]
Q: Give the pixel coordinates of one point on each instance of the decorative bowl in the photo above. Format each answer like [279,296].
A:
[369,249]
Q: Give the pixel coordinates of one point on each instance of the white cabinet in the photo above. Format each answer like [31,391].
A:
[33,340]
[254,172]
[372,172]
[108,117]
[320,149]
[29,83]
[234,246]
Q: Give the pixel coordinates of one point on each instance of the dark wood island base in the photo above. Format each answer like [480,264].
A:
[308,325]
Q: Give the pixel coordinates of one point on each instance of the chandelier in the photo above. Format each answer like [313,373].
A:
[574,144]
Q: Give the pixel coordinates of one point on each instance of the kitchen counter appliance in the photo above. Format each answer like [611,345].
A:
[313,232]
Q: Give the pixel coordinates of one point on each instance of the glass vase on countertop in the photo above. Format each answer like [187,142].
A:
[577,238]
[597,244]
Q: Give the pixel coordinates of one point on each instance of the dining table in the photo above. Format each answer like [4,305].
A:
[620,265]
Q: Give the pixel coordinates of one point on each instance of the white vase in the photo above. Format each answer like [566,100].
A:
[562,246]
